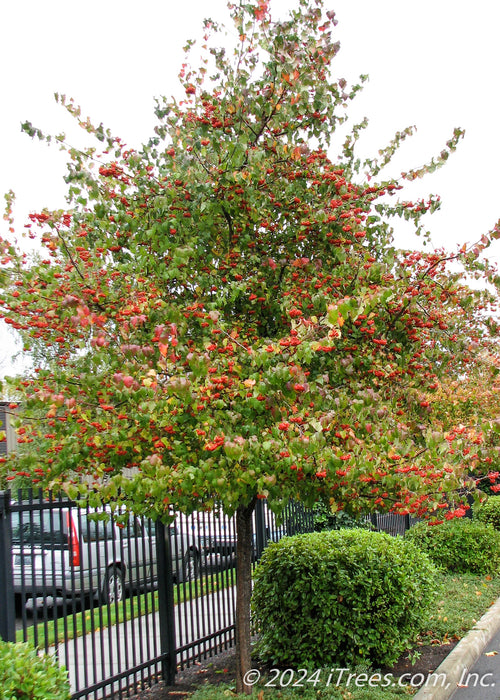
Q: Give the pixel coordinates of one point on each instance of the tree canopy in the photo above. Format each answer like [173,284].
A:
[223,315]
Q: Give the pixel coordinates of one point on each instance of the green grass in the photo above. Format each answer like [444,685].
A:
[463,599]
[321,691]
[78,623]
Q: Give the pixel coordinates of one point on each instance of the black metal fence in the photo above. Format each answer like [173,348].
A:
[392,523]
[123,602]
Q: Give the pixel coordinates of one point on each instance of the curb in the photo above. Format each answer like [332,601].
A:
[463,656]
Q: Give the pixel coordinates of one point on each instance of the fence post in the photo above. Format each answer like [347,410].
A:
[7,605]
[166,603]
[260,529]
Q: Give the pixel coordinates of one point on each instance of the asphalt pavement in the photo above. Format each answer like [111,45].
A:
[472,670]
[482,681]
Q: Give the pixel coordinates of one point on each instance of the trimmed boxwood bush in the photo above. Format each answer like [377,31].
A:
[489,512]
[25,675]
[340,597]
[460,545]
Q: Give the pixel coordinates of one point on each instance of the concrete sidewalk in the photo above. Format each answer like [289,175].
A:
[97,657]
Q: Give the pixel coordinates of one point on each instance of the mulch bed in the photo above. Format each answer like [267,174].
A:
[222,669]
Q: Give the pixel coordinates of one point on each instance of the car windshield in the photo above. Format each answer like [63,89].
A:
[40,529]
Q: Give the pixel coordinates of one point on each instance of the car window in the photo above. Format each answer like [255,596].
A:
[96,530]
[150,527]
[136,529]
[40,529]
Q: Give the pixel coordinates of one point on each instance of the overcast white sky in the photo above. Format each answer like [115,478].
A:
[432,63]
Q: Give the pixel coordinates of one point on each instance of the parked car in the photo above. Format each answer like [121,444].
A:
[212,538]
[65,552]
[202,540]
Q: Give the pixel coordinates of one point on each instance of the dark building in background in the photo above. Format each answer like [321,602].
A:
[6,445]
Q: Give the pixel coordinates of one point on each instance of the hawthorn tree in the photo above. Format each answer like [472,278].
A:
[222,315]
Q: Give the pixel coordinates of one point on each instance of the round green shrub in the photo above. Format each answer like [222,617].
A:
[26,675]
[460,545]
[489,512]
[340,597]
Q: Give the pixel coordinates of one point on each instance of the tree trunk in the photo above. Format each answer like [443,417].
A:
[244,539]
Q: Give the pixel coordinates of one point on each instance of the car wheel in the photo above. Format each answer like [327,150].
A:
[113,585]
[190,567]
